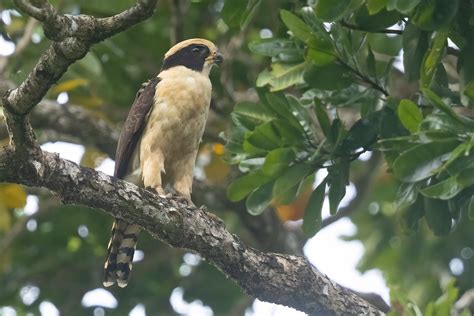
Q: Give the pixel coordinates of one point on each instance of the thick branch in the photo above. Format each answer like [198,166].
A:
[60,55]
[282,279]
[58,27]
[77,122]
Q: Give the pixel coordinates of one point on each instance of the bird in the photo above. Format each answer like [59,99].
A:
[159,142]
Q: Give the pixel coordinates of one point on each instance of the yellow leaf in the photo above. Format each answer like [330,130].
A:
[12,195]
[69,85]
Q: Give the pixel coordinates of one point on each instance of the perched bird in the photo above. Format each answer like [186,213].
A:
[159,142]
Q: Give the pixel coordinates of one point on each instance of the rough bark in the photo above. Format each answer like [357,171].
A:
[278,278]
[272,277]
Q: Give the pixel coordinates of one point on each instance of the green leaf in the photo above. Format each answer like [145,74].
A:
[289,135]
[278,103]
[410,115]
[289,180]
[375,22]
[385,44]
[330,11]
[443,190]
[375,6]
[286,76]
[312,215]
[362,134]
[264,136]
[322,117]
[415,44]
[338,178]
[434,14]
[337,132]
[433,57]
[458,152]
[319,57]
[371,70]
[260,199]
[277,161]
[253,111]
[407,195]
[420,162]
[466,177]
[438,102]
[242,186]
[470,209]
[273,47]
[466,75]
[437,215]
[299,29]
[411,215]
[403,6]
[328,77]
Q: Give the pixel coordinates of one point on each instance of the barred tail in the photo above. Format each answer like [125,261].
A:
[122,244]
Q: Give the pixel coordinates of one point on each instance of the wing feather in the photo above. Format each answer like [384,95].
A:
[134,126]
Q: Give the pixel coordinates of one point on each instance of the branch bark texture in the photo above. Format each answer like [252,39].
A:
[272,277]
[283,279]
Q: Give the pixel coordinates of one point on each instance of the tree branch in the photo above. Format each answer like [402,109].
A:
[77,35]
[59,27]
[282,279]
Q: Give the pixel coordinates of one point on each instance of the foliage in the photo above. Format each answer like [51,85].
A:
[341,64]
[339,57]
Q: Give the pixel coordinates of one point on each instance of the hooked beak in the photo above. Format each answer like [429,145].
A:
[218,58]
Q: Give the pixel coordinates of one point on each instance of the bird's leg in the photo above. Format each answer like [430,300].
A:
[183,178]
[152,168]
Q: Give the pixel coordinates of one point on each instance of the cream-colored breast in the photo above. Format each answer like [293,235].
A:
[177,120]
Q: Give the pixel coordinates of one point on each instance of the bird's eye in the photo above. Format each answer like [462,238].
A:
[198,49]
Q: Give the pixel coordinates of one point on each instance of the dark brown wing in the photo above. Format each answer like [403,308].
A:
[134,126]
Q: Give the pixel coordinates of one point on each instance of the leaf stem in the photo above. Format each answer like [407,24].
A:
[358,28]
[364,78]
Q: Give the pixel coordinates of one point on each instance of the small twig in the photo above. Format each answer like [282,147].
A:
[358,28]
[364,78]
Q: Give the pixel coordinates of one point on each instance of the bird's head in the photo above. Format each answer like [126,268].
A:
[197,54]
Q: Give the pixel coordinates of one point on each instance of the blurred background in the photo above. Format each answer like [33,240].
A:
[51,255]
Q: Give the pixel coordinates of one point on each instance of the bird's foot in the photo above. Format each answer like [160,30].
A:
[183,200]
